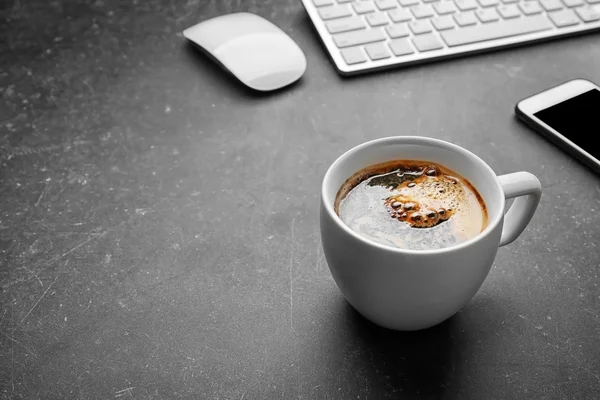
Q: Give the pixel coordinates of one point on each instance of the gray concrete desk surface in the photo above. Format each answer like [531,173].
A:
[159,224]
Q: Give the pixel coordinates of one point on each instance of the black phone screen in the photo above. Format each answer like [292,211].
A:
[577,119]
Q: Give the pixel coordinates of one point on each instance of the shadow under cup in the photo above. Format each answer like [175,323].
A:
[409,289]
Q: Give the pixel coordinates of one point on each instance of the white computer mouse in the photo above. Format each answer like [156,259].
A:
[254,50]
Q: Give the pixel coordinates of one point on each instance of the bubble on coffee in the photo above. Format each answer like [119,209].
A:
[411,204]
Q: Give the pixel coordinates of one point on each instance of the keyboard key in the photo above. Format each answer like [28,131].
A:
[355,38]
[593,1]
[502,29]
[429,1]
[444,7]
[377,19]
[510,1]
[588,14]
[406,3]
[377,51]
[331,12]
[401,47]
[419,27]
[530,7]
[509,11]
[363,7]
[321,3]
[397,31]
[427,42]
[487,15]
[466,18]
[466,5]
[345,24]
[386,4]
[488,3]
[353,55]
[551,5]
[422,11]
[443,23]
[572,3]
[400,15]
[345,1]
[563,18]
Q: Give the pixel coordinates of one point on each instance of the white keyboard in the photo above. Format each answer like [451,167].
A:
[365,35]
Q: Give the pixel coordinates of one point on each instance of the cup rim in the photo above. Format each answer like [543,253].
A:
[412,140]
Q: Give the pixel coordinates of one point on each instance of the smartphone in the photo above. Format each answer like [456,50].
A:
[569,116]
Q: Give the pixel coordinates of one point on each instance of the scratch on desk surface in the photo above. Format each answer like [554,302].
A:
[125,392]
[13,152]
[591,312]
[43,192]
[581,364]
[314,125]
[292,275]
[82,243]
[40,299]
[34,274]
[20,344]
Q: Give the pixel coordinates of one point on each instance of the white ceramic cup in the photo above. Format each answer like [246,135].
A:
[415,289]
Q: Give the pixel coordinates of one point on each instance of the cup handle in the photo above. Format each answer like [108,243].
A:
[527,191]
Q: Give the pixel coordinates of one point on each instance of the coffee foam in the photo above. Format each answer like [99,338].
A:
[415,206]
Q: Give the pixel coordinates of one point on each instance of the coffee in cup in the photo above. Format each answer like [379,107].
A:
[411,204]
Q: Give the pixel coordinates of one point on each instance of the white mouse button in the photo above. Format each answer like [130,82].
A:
[264,61]
[212,33]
